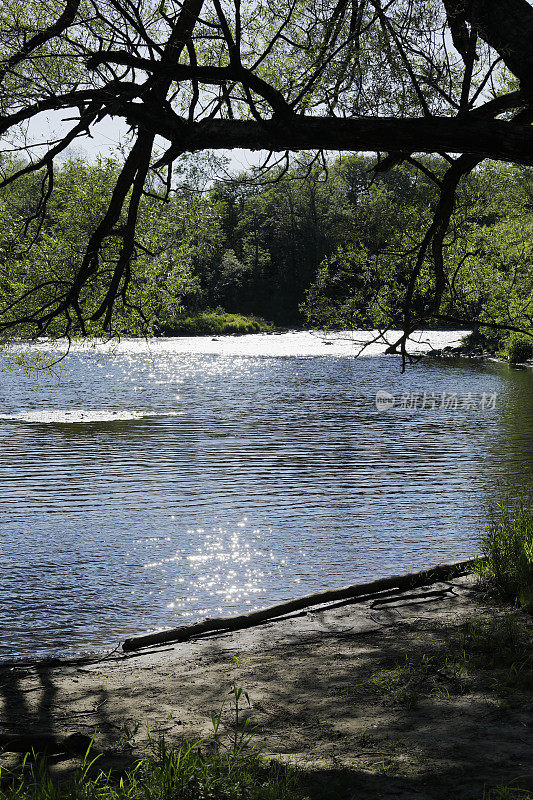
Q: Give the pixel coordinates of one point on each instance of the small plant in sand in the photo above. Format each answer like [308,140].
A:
[244,732]
[507,551]
[225,767]
[126,741]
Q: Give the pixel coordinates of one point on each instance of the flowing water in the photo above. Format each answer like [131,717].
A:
[160,482]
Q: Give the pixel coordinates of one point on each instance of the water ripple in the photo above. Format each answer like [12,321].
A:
[162,482]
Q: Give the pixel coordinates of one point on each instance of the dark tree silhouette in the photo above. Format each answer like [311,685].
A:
[395,77]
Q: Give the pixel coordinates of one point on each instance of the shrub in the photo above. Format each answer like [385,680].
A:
[518,349]
[213,323]
[486,338]
[507,551]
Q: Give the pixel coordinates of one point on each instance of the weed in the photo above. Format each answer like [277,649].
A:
[507,793]
[495,653]
[125,742]
[507,551]
[502,645]
[202,770]
[402,682]
[386,767]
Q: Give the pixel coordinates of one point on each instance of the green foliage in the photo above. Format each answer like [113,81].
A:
[335,249]
[484,338]
[171,238]
[364,283]
[212,322]
[488,251]
[494,643]
[226,767]
[189,771]
[341,295]
[493,653]
[518,348]
[276,236]
[507,551]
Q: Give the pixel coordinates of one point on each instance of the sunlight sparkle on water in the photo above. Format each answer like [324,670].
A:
[236,473]
[220,565]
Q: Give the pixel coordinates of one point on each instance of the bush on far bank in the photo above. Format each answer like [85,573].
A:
[518,348]
[216,323]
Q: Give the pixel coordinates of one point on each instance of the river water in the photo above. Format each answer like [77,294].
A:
[156,483]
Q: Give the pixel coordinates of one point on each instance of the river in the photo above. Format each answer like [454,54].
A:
[158,482]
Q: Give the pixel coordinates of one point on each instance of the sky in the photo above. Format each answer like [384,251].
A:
[107,137]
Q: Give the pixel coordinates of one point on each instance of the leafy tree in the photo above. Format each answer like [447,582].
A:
[401,78]
[169,239]
[364,282]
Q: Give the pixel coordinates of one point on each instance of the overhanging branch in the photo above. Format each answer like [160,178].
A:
[495,139]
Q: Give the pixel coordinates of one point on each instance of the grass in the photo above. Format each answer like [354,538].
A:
[492,654]
[187,772]
[216,323]
[506,565]
[487,657]
[225,767]
[507,793]
[496,653]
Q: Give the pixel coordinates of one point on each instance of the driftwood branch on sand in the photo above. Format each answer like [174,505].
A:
[359,591]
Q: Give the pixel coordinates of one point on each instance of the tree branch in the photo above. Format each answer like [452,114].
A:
[496,139]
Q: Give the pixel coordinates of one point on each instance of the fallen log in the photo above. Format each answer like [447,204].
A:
[360,591]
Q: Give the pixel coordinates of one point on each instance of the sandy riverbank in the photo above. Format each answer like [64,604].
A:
[373,696]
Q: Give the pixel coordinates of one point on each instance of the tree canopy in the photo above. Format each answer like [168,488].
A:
[396,78]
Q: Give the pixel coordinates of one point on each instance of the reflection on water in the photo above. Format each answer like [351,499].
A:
[165,482]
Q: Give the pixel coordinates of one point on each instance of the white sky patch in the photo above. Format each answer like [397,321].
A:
[111,136]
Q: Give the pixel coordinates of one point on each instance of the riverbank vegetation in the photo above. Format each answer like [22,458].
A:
[187,771]
[506,563]
[419,674]
[439,701]
[217,322]
[517,349]
[329,249]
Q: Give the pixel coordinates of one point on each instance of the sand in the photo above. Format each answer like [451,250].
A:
[327,692]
